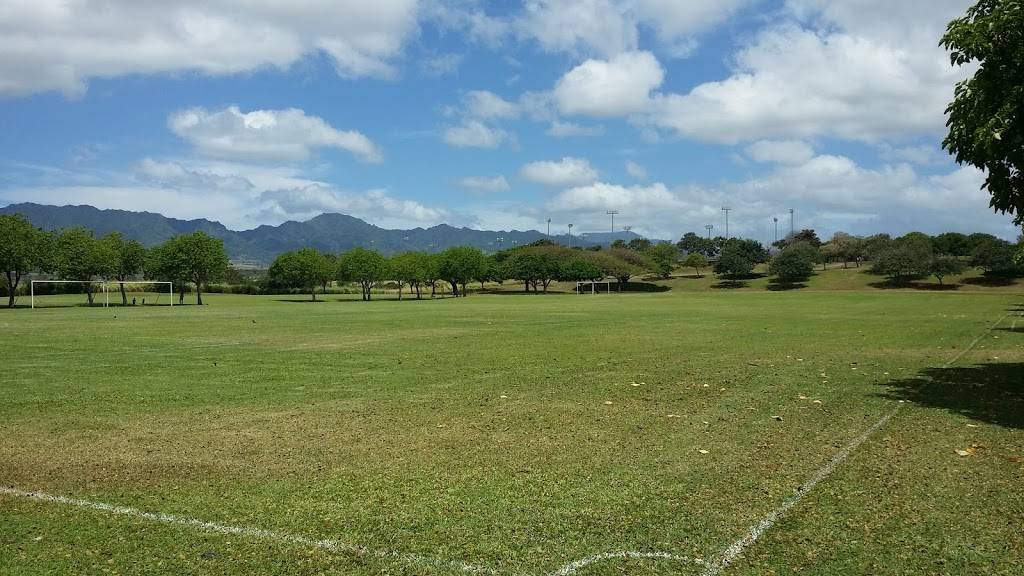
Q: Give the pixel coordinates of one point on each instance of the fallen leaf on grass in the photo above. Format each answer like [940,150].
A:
[972,425]
[607,402]
[802,397]
[703,451]
[817,402]
[965,452]
[673,416]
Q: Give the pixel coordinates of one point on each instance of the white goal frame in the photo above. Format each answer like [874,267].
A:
[103,287]
[593,286]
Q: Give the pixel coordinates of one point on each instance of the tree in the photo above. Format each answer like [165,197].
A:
[459,265]
[579,269]
[611,265]
[364,267]
[129,260]
[80,256]
[692,243]
[618,243]
[166,262]
[202,257]
[412,268]
[734,261]
[305,269]
[750,249]
[637,264]
[875,245]
[905,259]
[995,256]
[664,256]
[952,244]
[639,244]
[794,263]
[844,247]
[536,266]
[946,266]
[807,235]
[696,261]
[986,116]
[22,249]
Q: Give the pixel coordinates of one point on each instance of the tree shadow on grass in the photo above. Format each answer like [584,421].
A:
[914,285]
[992,393]
[730,284]
[990,281]
[776,286]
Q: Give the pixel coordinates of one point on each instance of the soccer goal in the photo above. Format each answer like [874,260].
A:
[65,293]
[581,287]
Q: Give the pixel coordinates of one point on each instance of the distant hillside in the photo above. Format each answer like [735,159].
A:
[328,232]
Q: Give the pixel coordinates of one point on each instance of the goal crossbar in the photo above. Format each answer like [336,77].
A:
[593,286]
[104,287]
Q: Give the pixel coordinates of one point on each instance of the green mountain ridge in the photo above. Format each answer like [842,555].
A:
[259,246]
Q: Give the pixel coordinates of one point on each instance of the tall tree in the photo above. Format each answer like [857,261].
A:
[695,260]
[129,260]
[305,269]
[986,116]
[459,265]
[166,262]
[22,248]
[80,256]
[364,267]
[201,258]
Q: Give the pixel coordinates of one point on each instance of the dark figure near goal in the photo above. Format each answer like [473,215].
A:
[133,300]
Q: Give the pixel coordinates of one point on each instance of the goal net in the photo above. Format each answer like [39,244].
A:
[71,293]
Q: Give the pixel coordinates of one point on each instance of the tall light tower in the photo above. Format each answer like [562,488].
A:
[549,226]
[792,228]
[570,235]
[726,210]
[627,228]
[709,228]
[776,220]
[612,213]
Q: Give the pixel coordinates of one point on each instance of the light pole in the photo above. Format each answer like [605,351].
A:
[726,210]
[570,235]
[776,220]
[792,229]
[709,228]
[612,213]
[549,227]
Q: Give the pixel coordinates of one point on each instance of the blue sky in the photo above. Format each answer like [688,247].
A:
[491,114]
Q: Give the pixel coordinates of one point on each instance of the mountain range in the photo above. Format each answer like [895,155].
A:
[258,247]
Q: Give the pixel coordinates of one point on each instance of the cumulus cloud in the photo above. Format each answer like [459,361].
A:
[285,135]
[780,151]
[565,172]
[484,184]
[474,134]
[485,105]
[53,45]
[616,87]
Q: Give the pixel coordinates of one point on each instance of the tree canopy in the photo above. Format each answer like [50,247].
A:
[305,269]
[986,116]
[364,267]
[22,249]
[459,265]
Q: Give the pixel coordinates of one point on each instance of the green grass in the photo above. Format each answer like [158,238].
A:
[480,430]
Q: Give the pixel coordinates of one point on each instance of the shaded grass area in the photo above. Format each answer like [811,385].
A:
[499,431]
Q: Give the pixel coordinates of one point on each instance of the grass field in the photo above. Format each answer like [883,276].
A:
[517,434]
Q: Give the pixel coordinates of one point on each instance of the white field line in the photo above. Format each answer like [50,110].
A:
[728,555]
[576,565]
[250,532]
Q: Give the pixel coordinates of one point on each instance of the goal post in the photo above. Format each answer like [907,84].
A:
[104,287]
[581,287]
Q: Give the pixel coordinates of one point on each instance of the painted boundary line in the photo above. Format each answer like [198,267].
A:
[730,554]
[257,533]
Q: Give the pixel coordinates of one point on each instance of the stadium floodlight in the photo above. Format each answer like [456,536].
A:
[709,228]
[612,213]
[104,288]
[726,210]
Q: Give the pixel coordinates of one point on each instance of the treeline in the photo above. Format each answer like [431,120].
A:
[535,266]
[76,254]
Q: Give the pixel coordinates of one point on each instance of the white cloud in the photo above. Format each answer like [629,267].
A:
[615,87]
[474,134]
[635,170]
[780,151]
[175,175]
[832,69]
[560,129]
[375,205]
[488,105]
[265,134]
[441,65]
[566,172]
[57,45]
[588,26]
[484,184]
[923,155]
[609,27]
